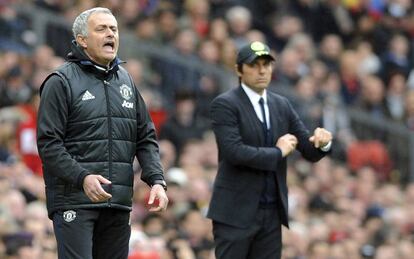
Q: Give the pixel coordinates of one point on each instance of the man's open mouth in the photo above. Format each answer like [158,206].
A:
[109,44]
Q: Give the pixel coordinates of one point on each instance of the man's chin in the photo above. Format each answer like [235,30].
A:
[262,85]
[108,58]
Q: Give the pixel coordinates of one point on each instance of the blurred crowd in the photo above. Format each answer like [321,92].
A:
[331,55]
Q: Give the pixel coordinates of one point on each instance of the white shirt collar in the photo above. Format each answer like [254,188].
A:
[254,99]
[253,96]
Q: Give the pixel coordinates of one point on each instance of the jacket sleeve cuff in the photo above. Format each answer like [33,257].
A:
[279,155]
[155,177]
[81,177]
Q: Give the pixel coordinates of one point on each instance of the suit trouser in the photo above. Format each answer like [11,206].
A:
[92,233]
[261,240]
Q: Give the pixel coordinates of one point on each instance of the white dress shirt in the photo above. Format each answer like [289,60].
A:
[254,99]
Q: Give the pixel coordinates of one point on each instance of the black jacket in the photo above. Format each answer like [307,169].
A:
[244,159]
[92,120]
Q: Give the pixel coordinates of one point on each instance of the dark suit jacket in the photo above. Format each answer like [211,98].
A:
[243,158]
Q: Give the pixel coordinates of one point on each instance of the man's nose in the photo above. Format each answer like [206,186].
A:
[110,33]
[262,69]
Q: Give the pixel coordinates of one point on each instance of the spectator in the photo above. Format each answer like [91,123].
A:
[318,71]
[369,63]
[173,76]
[197,16]
[209,52]
[290,69]
[350,81]
[131,11]
[26,135]
[395,93]
[184,124]
[145,28]
[372,98]
[330,50]
[303,45]
[218,31]
[307,104]
[283,26]
[167,25]
[396,58]
[41,58]
[227,54]
[255,35]
[335,117]
[15,90]
[239,19]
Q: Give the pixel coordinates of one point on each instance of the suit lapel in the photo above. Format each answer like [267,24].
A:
[274,116]
[249,116]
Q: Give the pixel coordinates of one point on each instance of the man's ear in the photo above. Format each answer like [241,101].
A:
[81,40]
[239,69]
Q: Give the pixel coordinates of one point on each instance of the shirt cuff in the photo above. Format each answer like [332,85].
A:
[327,147]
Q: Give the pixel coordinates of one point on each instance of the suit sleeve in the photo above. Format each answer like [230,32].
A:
[147,150]
[297,128]
[225,121]
[51,128]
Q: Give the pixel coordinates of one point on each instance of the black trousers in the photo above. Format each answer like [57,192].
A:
[92,233]
[262,240]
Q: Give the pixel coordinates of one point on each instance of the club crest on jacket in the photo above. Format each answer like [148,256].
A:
[126,91]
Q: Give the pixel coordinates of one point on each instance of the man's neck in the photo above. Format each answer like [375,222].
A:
[106,66]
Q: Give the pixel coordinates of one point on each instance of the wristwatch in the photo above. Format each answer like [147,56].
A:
[160,182]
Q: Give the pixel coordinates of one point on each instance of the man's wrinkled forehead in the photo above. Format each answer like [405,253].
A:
[102,19]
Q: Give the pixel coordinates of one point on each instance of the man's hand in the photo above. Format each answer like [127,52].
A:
[157,193]
[92,185]
[287,143]
[321,137]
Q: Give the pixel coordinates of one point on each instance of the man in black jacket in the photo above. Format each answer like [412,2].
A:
[256,130]
[92,123]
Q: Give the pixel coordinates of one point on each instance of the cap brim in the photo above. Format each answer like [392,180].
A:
[252,58]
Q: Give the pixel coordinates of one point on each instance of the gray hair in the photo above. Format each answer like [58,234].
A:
[237,13]
[80,25]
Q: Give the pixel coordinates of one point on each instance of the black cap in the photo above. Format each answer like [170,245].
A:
[250,52]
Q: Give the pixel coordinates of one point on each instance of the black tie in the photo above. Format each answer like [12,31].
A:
[270,191]
[265,128]
[261,101]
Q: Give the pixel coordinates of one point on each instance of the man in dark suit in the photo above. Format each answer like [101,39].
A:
[255,130]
